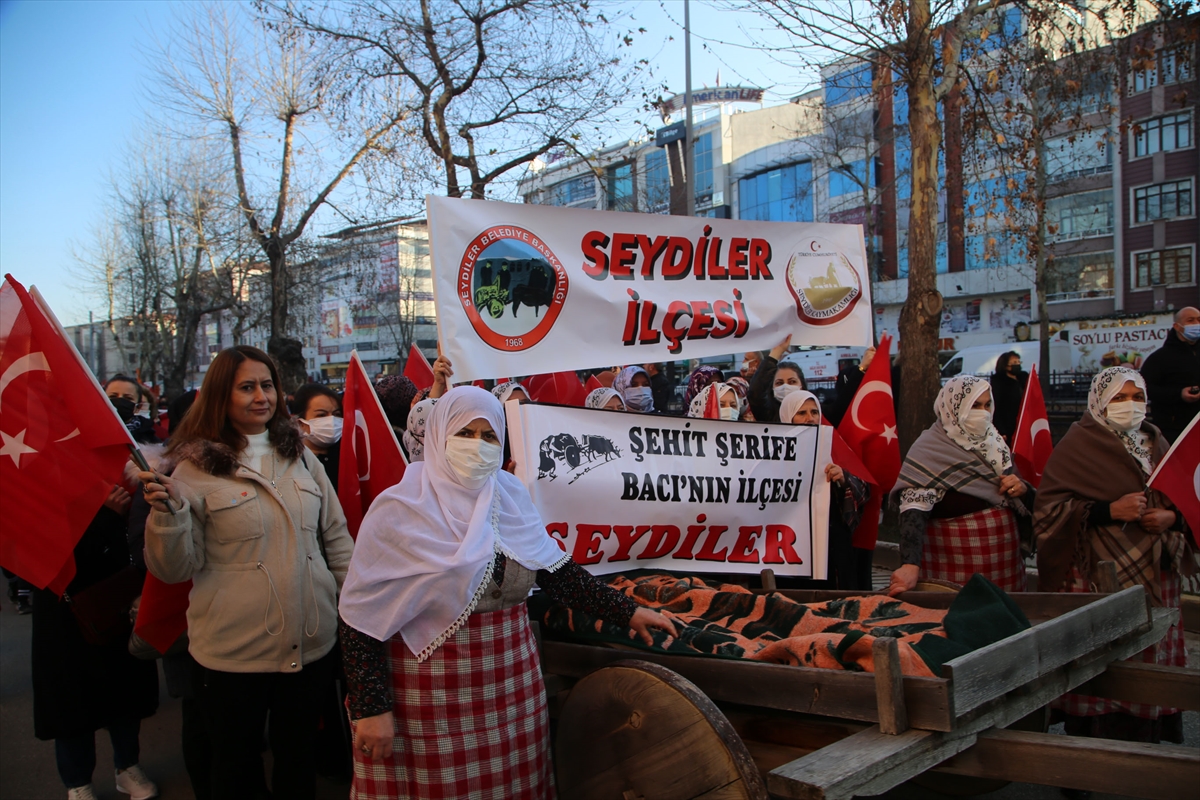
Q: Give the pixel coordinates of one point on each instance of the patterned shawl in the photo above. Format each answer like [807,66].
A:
[697,381]
[936,464]
[1091,465]
[952,405]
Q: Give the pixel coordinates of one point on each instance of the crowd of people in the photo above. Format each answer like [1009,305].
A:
[422,617]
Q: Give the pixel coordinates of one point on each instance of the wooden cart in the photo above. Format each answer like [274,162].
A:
[634,724]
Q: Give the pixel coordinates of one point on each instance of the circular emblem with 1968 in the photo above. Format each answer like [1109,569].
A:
[512,287]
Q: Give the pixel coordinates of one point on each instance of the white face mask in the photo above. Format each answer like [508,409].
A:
[977,421]
[730,413]
[1127,416]
[784,389]
[639,398]
[473,460]
[746,366]
[323,431]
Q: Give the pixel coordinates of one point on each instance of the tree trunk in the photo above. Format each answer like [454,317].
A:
[287,352]
[920,318]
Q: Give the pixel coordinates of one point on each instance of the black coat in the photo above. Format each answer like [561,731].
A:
[1007,394]
[79,687]
[1168,371]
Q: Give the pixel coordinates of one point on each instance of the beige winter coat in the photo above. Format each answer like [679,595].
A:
[263,597]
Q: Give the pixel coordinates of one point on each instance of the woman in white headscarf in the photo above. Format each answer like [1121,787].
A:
[445,689]
[510,390]
[1094,505]
[605,398]
[633,383]
[849,567]
[959,496]
[729,402]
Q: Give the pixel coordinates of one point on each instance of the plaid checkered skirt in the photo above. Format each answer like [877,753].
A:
[472,718]
[984,541]
[1170,652]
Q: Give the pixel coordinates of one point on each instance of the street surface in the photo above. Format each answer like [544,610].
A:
[27,769]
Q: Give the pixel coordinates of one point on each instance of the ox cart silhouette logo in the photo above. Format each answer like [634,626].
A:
[579,456]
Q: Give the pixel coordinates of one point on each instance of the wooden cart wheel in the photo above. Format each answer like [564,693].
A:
[635,730]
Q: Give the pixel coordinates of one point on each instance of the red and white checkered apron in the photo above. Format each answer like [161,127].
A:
[983,541]
[1170,652]
[472,718]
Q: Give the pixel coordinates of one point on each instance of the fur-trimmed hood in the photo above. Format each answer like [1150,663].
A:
[218,458]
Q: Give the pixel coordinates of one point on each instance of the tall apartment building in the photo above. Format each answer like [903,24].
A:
[1120,191]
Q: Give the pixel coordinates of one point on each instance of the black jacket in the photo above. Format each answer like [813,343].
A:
[1007,394]
[1168,371]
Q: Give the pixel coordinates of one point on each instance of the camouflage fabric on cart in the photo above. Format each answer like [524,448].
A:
[727,621]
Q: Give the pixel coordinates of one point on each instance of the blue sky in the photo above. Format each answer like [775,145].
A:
[72,92]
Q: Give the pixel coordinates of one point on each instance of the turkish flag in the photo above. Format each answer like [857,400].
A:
[370,459]
[1178,475]
[162,613]
[712,408]
[62,445]
[869,429]
[562,388]
[1031,441]
[593,383]
[417,368]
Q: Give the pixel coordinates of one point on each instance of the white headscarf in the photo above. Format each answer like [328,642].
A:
[700,401]
[792,402]
[1104,386]
[426,546]
[414,434]
[505,390]
[953,403]
[598,398]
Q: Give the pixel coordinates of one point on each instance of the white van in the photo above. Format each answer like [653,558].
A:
[981,360]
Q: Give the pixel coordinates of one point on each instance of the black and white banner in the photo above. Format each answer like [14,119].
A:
[528,289]
[632,491]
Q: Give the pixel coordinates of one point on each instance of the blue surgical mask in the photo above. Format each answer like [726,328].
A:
[639,398]
[1191,332]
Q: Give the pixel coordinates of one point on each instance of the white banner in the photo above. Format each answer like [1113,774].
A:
[528,289]
[627,491]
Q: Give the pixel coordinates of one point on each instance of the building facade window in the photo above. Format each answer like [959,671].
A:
[1078,154]
[849,179]
[1170,65]
[657,182]
[1162,201]
[1077,277]
[1161,134]
[1162,267]
[846,86]
[572,192]
[1079,216]
[778,195]
[704,167]
[620,188]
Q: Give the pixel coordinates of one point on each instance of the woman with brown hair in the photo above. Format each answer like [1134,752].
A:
[258,530]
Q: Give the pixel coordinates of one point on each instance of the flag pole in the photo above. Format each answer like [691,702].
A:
[134,452]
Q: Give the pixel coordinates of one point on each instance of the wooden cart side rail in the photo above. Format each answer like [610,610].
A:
[1150,684]
[990,672]
[871,762]
[1155,771]
[830,693]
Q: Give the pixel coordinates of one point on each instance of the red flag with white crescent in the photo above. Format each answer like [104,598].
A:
[417,368]
[370,459]
[869,429]
[1178,475]
[1032,444]
[62,445]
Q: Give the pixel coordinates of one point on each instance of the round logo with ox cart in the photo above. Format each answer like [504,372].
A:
[512,287]
[823,282]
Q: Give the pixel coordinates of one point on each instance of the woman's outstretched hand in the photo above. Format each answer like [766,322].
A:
[373,736]
[904,579]
[644,619]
